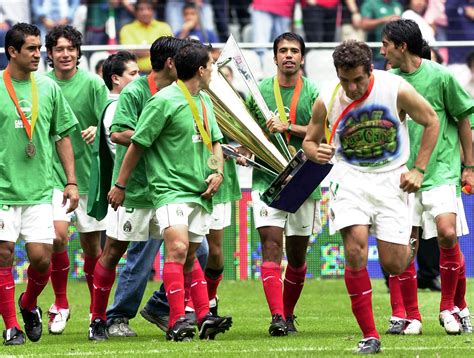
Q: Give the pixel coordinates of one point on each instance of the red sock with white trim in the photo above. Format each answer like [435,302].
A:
[272,285]
[199,292]
[37,281]
[449,267]
[7,298]
[59,276]
[173,279]
[409,289]
[292,287]
[460,295]
[396,299]
[103,281]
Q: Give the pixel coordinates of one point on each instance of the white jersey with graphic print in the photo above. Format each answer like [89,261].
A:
[370,137]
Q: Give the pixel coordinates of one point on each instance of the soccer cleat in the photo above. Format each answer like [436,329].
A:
[396,325]
[98,330]
[13,337]
[32,321]
[278,326]
[290,324]
[212,325]
[448,320]
[465,319]
[191,315]
[213,305]
[160,320]
[182,330]
[57,319]
[369,345]
[413,327]
[120,328]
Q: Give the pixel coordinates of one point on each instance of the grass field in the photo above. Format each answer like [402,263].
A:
[326,328]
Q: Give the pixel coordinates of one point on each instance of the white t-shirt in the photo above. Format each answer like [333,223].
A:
[108,117]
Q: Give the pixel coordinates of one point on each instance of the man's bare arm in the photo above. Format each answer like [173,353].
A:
[122,138]
[66,156]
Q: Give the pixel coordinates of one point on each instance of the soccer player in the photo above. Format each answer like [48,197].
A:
[87,95]
[35,118]
[292,96]
[134,222]
[436,201]
[178,133]
[369,181]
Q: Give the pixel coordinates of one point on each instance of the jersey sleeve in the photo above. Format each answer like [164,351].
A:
[151,122]
[127,113]
[458,102]
[63,120]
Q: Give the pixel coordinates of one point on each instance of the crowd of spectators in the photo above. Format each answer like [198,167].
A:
[141,21]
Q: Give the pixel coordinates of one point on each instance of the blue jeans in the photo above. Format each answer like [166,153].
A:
[267,26]
[132,281]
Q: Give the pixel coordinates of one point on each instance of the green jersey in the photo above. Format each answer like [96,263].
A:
[131,102]
[308,95]
[87,95]
[229,190]
[23,180]
[451,103]
[176,157]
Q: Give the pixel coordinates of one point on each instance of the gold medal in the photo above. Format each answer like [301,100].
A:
[30,150]
[213,162]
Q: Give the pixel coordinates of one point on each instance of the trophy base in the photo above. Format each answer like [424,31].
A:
[295,183]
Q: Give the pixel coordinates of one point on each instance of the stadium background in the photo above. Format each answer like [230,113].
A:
[242,250]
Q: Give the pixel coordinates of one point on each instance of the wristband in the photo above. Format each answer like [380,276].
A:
[67,184]
[120,186]
[220,172]
[289,127]
[468,167]
[419,170]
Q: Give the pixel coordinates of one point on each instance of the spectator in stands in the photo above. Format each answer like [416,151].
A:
[143,31]
[415,11]
[240,9]
[460,14]
[11,12]
[191,28]
[351,20]
[375,14]
[50,13]
[97,14]
[220,9]
[174,13]
[319,19]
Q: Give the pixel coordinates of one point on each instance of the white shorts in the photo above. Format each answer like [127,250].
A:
[85,223]
[429,222]
[192,215]
[32,223]
[128,224]
[302,223]
[373,199]
[436,201]
[221,216]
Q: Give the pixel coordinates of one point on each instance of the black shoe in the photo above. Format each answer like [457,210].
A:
[98,330]
[213,305]
[432,285]
[290,324]
[396,326]
[212,325]
[278,326]
[13,337]
[368,346]
[160,321]
[182,330]
[32,321]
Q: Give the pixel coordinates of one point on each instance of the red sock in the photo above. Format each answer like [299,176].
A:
[199,292]
[212,284]
[460,296]
[103,281]
[360,291]
[89,267]
[36,283]
[59,276]
[173,279]
[292,287]
[188,280]
[449,265]
[272,285]
[396,299]
[409,289]
[7,298]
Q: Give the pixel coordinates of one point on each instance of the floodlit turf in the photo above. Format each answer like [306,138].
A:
[326,328]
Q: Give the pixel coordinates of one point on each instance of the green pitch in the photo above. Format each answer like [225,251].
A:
[326,328]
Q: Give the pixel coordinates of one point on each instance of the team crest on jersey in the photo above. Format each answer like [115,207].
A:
[127,227]
[263,212]
[369,136]
[25,107]
[179,212]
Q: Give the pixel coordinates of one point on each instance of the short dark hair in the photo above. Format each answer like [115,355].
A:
[404,31]
[351,54]
[147,2]
[189,5]
[68,32]
[289,36]
[15,37]
[115,65]
[163,48]
[190,57]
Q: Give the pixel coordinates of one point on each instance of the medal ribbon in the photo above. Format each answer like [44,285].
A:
[294,102]
[204,132]
[349,107]
[152,84]
[34,110]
